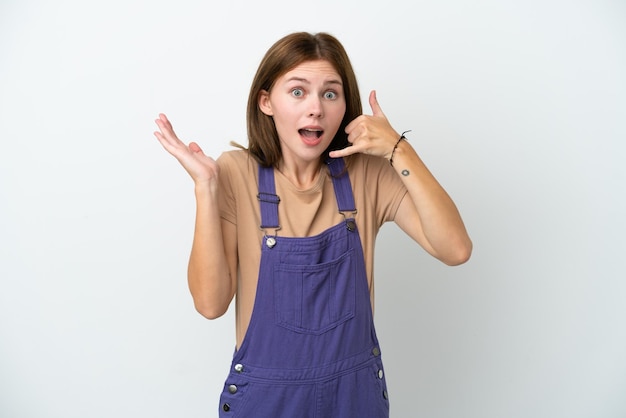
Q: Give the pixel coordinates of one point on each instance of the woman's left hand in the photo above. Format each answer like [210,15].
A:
[371,135]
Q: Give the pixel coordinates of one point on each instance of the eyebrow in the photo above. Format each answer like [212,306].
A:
[304,80]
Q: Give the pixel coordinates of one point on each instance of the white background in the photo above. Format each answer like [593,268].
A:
[518,107]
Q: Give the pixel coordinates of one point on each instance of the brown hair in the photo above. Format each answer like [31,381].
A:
[284,55]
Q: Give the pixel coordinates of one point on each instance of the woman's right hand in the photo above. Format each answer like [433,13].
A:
[201,168]
[212,271]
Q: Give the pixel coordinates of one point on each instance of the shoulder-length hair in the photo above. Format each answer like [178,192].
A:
[283,56]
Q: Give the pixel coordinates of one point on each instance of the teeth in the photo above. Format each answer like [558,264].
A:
[316,132]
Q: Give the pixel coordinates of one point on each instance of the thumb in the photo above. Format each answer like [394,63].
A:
[376,110]
[194,147]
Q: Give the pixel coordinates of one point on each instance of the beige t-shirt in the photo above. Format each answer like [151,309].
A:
[377,190]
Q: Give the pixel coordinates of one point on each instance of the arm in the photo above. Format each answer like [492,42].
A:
[213,259]
[430,216]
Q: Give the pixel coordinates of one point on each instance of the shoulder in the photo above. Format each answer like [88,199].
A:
[367,166]
[237,163]
[377,185]
[238,157]
[238,170]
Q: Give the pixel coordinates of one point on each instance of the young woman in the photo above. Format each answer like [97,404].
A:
[288,225]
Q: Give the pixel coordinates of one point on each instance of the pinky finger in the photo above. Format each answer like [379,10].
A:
[343,152]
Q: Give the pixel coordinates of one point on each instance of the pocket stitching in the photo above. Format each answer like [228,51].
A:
[337,318]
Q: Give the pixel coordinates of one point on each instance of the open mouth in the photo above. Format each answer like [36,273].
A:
[311,133]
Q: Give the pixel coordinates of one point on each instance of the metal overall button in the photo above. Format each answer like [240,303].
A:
[348,218]
[270,242]
[238,368]
[232,389]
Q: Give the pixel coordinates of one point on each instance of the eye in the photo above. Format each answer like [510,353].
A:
[330,95]
[297,92]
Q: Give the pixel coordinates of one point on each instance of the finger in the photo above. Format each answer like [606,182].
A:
[164,124]
[164,118]
[343,152]
[160,137]
[165,136]
[194,147]
[353,124]
[354,134]
[170,145]
[167,131]
[163,121]
[376,110]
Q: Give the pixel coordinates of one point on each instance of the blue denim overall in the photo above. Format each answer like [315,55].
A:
[310,350]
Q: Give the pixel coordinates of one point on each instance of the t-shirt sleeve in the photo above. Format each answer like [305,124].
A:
[386,187]
[227,201]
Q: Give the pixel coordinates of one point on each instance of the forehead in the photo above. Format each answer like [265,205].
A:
[312,71]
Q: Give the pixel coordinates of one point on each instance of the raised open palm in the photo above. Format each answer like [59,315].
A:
[200,167]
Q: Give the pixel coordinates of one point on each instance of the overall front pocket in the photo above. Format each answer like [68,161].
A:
[313,299]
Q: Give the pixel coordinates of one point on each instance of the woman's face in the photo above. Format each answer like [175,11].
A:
[307,104]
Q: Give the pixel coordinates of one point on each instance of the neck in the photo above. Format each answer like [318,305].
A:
[302,175]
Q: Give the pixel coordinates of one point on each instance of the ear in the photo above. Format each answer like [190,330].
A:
[264,103]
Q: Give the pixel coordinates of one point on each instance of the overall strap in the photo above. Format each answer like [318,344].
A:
[341,183]
[268,198]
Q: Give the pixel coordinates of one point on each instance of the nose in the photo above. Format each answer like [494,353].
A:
[315,107]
